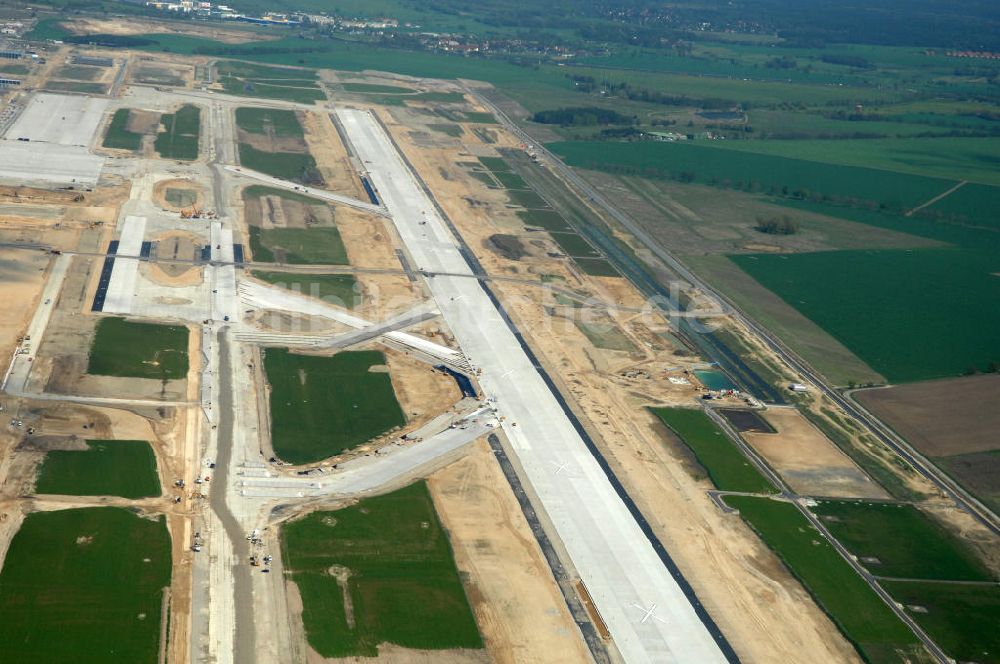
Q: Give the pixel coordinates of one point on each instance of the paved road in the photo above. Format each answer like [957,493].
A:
[243,650]
[874,425]
[309,191]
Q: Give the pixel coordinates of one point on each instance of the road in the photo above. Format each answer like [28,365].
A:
[308,191]
[243,639]
[963,499]
[647,612]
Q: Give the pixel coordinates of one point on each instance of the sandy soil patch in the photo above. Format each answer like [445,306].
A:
[422,392]
[23,274]
[811,464]
[133,26]
[519,608]
[941,417]
[331,155]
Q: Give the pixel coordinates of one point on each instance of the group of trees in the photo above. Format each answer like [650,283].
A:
[582,116]
[783,225]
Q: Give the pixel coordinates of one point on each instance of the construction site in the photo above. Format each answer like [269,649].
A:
[378,393]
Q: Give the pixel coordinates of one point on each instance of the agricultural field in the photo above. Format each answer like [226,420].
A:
[696,161]
[322,406]
[853,606]
[118,135]
[139,350]
[952,422]
[868,301]
[93,576]
[273,142]
[253,80]
[339,289]
[954,159]
[898,540]
[726,466]
[179,138]
[961,618]
[125,468]
[395,579]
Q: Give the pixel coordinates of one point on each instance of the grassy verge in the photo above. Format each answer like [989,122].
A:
[321,406]
[118,136]
[339,289]
[401,578]
[321,246]
[262,120]
[125,468]
[295,166]
[962,619]
[728,469]
[179,140]
[861,615]
[84,585]
[905,542]
[139,350]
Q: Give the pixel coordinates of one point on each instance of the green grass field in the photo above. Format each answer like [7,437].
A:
[78,72]
[139,350]
[952,158]
[76,86]
[371,88]
[726,466]
[295,166]
[511,180]
[403,584]
[321,406]
[296,91]
[909,314]
[759,172]
[906,543]
[179,140]
[596,267]
[962,619]
[339,289]
[853,606]
[118,136]
[125,468]
[298,246]
[84,585]
[547,219]
[575,246]
[282,123]
[248,79]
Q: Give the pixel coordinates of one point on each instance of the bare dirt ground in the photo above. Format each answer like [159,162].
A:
[270,143]
[423,392]
[23,275]
[331,156]
[808,461]
[134,26]
[941,417]
[521,613]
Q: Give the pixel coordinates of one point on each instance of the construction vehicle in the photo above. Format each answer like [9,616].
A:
[255,560]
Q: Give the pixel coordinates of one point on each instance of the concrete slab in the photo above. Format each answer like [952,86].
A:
[59,119]
[48,164]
